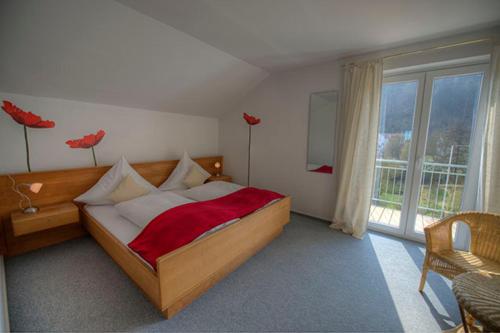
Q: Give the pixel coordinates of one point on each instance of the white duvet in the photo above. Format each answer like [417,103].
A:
[143,210]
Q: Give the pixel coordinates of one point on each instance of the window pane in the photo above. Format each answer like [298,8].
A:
[397,110]
[453,111]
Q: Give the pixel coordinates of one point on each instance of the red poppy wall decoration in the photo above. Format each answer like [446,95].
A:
[251,121]
[27,119]
[88,141]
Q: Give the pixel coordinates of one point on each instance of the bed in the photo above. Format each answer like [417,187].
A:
[184,274]
[181,275]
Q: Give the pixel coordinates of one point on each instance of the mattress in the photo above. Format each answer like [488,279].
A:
[124,230]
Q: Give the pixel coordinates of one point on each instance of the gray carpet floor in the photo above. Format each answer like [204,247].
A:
[309,279]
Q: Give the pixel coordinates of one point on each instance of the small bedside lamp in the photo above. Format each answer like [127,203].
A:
[33,187]
[217,166]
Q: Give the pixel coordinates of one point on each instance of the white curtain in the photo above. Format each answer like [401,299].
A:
[489,187]
[356,156]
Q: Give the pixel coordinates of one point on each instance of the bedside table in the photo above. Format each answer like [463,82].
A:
[223,178]
[47,217]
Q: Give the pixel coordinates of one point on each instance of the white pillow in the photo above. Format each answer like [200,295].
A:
[143,210]
[176,179]
[99,193]
[211,190]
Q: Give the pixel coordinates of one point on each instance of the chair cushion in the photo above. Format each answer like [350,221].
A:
[468,262]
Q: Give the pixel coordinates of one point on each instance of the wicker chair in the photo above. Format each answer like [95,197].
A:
[484,252]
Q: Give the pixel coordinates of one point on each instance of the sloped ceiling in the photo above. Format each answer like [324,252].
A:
[101,51]
[281,34]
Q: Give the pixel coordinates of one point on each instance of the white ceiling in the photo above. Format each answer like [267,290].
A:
[201,57]
[279,34]
[103,52]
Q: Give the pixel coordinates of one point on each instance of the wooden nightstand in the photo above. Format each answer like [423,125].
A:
[47,217]
[223,178]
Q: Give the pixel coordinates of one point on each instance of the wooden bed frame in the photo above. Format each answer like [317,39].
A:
[182,275]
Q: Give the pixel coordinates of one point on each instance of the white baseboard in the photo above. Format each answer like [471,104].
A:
[326,219]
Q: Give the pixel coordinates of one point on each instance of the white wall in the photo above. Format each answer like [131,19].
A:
[140,135]
[279,143]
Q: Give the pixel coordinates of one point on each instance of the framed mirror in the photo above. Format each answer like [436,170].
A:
[321,135]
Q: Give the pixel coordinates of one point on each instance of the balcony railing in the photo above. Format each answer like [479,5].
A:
[441,187]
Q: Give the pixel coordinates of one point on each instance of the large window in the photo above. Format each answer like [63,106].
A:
[425,136]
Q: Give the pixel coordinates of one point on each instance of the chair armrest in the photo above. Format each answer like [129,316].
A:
[438,234]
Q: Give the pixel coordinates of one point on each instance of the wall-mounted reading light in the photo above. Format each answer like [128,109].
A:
[33,187]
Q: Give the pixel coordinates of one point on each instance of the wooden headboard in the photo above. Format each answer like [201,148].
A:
[65,185]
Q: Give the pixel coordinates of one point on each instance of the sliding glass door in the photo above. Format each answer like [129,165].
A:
[426,130]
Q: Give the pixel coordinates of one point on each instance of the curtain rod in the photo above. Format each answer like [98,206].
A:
[440,47]
[475,41]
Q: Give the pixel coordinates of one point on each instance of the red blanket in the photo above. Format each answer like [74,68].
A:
[181,225]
